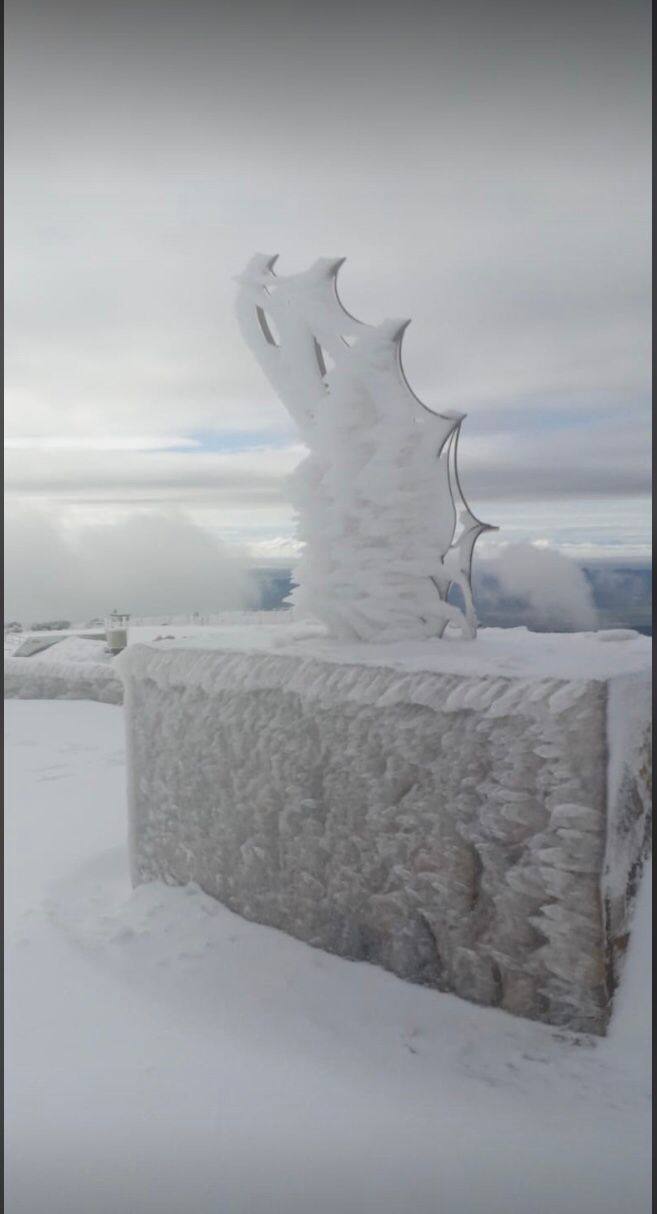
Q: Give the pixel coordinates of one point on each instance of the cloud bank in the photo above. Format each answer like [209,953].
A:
[148,563]
[525,584]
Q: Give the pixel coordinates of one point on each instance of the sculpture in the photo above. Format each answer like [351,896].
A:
[386,529]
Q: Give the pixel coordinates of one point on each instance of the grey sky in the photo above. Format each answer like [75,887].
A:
[484,168]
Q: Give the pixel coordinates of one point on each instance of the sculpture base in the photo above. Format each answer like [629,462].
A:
[477,833]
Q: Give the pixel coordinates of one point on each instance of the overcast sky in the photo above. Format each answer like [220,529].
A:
[483,167]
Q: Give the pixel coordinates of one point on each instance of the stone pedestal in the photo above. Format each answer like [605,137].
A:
[478,833]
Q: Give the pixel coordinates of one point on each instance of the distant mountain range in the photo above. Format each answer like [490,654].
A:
[622,595]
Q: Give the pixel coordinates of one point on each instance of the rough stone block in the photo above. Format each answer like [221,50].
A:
[479,833]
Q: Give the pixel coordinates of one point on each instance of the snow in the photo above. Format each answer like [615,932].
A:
[165,1055]
[49,676]
[34,645]
[385,526]
[629,801]
[74,649]
[497,652]
[13,641]
[76,668]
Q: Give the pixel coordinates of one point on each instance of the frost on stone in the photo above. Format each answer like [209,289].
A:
[381,513]
[629,811]
[451,828]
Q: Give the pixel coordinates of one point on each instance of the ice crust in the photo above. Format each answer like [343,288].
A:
[385,528]
[72,677]
[458,829]
[629,816]
[75,649]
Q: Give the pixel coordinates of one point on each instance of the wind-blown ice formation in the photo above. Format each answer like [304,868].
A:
[386,528]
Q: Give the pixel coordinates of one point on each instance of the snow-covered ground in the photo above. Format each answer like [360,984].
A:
[165,1055]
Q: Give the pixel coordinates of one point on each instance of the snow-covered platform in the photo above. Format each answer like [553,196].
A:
[60,667]
[472,816]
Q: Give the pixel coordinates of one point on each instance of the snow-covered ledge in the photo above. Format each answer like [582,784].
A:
[474,821]
[36,679]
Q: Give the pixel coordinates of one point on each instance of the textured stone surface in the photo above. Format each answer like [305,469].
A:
[451,828]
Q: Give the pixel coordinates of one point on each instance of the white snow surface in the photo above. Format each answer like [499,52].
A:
[41,677]
[76,669]
[74,649]
[70,668]
[506,652]
[165,1055]
[497,651]
[13,641]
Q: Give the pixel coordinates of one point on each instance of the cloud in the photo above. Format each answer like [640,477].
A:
[280,550]
[578,458]
[236,478]
[535,586]
[602,459]
[150,562]
[484,169]
[87,442]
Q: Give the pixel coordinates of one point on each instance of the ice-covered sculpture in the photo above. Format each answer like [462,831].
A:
[386,529]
